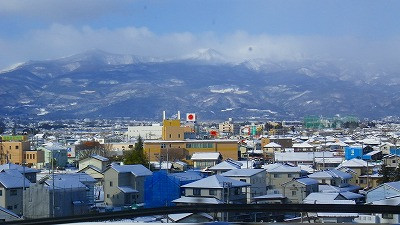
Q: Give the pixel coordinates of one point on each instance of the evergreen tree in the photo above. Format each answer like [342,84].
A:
[136,155]
[387,174]
[396,176]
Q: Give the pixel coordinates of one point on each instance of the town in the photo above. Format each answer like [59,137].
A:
[75,167]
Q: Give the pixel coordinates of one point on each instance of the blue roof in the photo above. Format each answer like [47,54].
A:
[307,181]
[13,179]
[12,166]
[137,170]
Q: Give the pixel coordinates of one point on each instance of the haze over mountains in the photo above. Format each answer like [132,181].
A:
[99,84]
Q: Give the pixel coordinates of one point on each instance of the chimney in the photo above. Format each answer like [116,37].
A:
[163,115]
[179,115]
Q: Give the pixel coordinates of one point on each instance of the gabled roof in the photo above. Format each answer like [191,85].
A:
[272,145]
[179,216]
[12,166]
[302,145]
[206,156]
[71,180]
[127,189]
[353,163]
[90,167]
[226,165]
[319,196]
[216,181]
[330,173]
[198,200]
[4,210]
[389,201]
[351,195]
[242,172]
[307,181]
[281,168]
[13,179]
[137,170]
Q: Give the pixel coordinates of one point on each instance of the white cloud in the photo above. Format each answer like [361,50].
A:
[61,40]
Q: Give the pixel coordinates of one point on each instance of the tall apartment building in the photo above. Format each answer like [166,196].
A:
[229,128]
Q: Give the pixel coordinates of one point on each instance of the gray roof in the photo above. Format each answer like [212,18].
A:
[242,172]
[137,170]
[179,216]
[226,165]
[216,181]
[206,156]
[72,180]
[307,181]
[318,196]
[99,157]
[270,197]
[330,173]
[282,168]
[127,189]
[12,166]
[198,200]
[13,179]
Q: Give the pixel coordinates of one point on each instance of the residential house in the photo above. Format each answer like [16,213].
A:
[387,218]
[202,160]
[255,177]
[65,195]
[297,158]
[327,162]
[297,189]
[29,173]
[359,167]
[332,177]
[226,165]
[124,185]
[383,191]
[215,189]
[12,183]
[303,147]
[278,174]
[58,153]
[391,160]
[97,161]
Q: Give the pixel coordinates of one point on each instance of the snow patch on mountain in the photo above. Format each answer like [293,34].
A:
[227,90]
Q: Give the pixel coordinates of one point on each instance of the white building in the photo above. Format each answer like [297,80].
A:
[146,132]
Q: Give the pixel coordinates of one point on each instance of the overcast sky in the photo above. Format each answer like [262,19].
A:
[364,30]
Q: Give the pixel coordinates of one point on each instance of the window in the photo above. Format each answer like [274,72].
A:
[323,181]
[361,181]
[393,161]
[243,180]
[276,175]
[289,175]
[387,216]
[108,195]
[211,192]
[1,192]
[15,206]
[10,207]
[16,147]
[13,192]
[170,135]
[179,135]
[196,191]
[294,193]
[111,183]
[33,156]
[163,146]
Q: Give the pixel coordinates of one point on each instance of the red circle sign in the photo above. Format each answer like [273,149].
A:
[190,116]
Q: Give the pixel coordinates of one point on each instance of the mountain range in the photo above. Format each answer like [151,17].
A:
[97,84]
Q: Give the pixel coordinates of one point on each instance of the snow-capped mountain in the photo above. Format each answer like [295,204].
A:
[97,83]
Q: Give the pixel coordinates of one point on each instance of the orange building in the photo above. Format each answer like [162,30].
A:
[16,149]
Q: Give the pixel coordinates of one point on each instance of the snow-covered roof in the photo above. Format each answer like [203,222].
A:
[353,163]
[198,200]
[12,166]
[337,215]
[373,153]
[13,179]
[270,197]
[179,216]
[272,145]
[302,145]
[320,196]
[330,173]
[395,185]
[127,189]
[216,181]
[242,172]
[301,156]
[4,210]
[389,201]
[99,157]
[206,156]
[137,170]
[370,142]
[337,160]
[333,189]
[226,165]
[281,168]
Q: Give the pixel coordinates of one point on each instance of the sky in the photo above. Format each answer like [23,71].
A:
[364,31]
